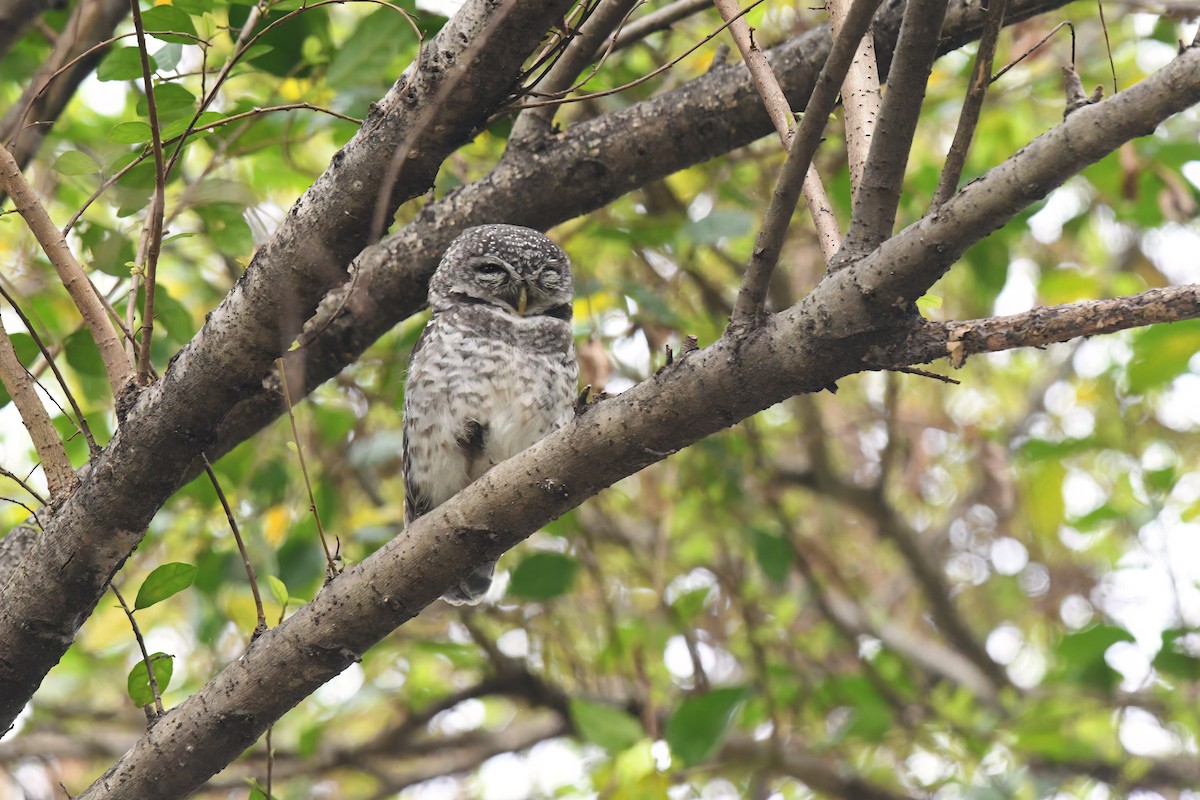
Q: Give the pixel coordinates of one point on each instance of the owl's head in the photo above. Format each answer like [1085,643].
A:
[515,269]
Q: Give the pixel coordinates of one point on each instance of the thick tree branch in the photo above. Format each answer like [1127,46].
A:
[878,196]
[750,307]
[890,279]
[63,576]
[860,97]
[930,341]
[613,439]
[578,171]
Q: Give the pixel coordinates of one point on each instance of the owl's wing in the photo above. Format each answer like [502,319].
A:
[416,500]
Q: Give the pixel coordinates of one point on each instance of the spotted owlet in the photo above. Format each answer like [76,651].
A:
[493,372]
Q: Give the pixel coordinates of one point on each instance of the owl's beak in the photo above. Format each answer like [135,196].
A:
[522,300]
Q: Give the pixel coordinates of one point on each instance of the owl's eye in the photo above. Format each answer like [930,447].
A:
[489,269]
[549,277]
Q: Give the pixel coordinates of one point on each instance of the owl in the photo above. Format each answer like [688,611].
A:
[493,372]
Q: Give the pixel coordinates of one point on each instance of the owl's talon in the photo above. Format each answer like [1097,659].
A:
[581,402]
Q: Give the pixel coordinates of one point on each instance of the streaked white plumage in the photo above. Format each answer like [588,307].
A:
[494,370]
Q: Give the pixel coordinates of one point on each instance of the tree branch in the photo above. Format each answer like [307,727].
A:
[578,171]
[878,196]
[860,97]
[784,120]
[60,475]
[750,307]
[904,267]
[981,76]
[613,439]
[930,341]
[15,17]
[28,121]
[63,576]
[76,282]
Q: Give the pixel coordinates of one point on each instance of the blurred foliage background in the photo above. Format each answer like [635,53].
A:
[906,589]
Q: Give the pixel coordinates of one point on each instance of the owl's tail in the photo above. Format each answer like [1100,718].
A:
[472,590]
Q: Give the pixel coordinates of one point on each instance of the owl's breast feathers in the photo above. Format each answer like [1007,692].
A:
[483,386]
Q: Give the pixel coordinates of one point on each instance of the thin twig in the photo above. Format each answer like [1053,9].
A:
[23,484]
[750,308]
[815,197]
[312,500]
[108,182]
[152,232]
[560,79]
[968,119]
[924,373]
[1036,47]
[648,76]
[116,365]
[656,21]
[1107,45]
[60,475]
[137,634]
[261,625]
[93,448]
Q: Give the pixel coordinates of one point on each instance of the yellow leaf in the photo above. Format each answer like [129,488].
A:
[278,520]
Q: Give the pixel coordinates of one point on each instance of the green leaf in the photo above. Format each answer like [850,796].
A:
[164,581]
[82,354]
[1043,450]
[123,64]
[279,590]
[173,315]
[1161,353]
[76,162]
[163,21]
[138,682]
[226,228]
[609,727]
[697,727]
[542,576]
[1173,659]
[169,55]
[27,350]
[718,225]
[929,302]
[109,250]
[171,101]
[135,132]
[690,603]
[774,555]
[369,50]
[1080,656]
